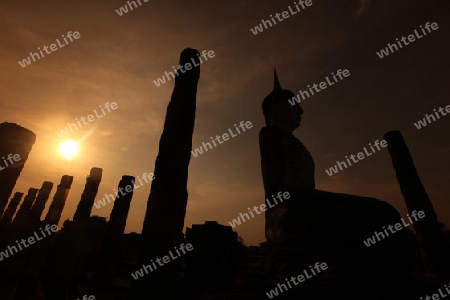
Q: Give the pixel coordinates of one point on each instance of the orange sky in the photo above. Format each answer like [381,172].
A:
[117,58]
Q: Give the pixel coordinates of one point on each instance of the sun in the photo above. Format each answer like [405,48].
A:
[68,149]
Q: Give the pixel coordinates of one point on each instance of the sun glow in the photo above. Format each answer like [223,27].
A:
[69,149]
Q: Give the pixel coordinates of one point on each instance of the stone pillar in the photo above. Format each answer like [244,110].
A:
[429,234]
[11,210]
[114,232]
[84,208]
[166,206]
[14,140]
[75,234]
[59,200]
[23,214]
[118,217]
[41,200]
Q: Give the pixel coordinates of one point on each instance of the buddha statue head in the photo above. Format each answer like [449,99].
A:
[278,111]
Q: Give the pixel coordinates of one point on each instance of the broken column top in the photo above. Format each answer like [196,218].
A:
[128,178]
[33,191]
[96,173]
[18,195]
[17,129]
[66,181]
[47,185]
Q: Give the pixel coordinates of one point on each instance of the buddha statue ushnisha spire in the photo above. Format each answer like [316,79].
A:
[278,92]
[276,82]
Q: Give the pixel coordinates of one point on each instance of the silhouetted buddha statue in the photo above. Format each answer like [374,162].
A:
[313,218]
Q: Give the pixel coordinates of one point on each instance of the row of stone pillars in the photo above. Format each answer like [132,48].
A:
[64,248]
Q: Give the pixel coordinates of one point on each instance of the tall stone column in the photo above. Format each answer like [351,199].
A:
[166,206]
[23,215]
[429,234]
[14,140]
[84,208]
[116,227]
[41,200]
[59,200]
[11,209]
